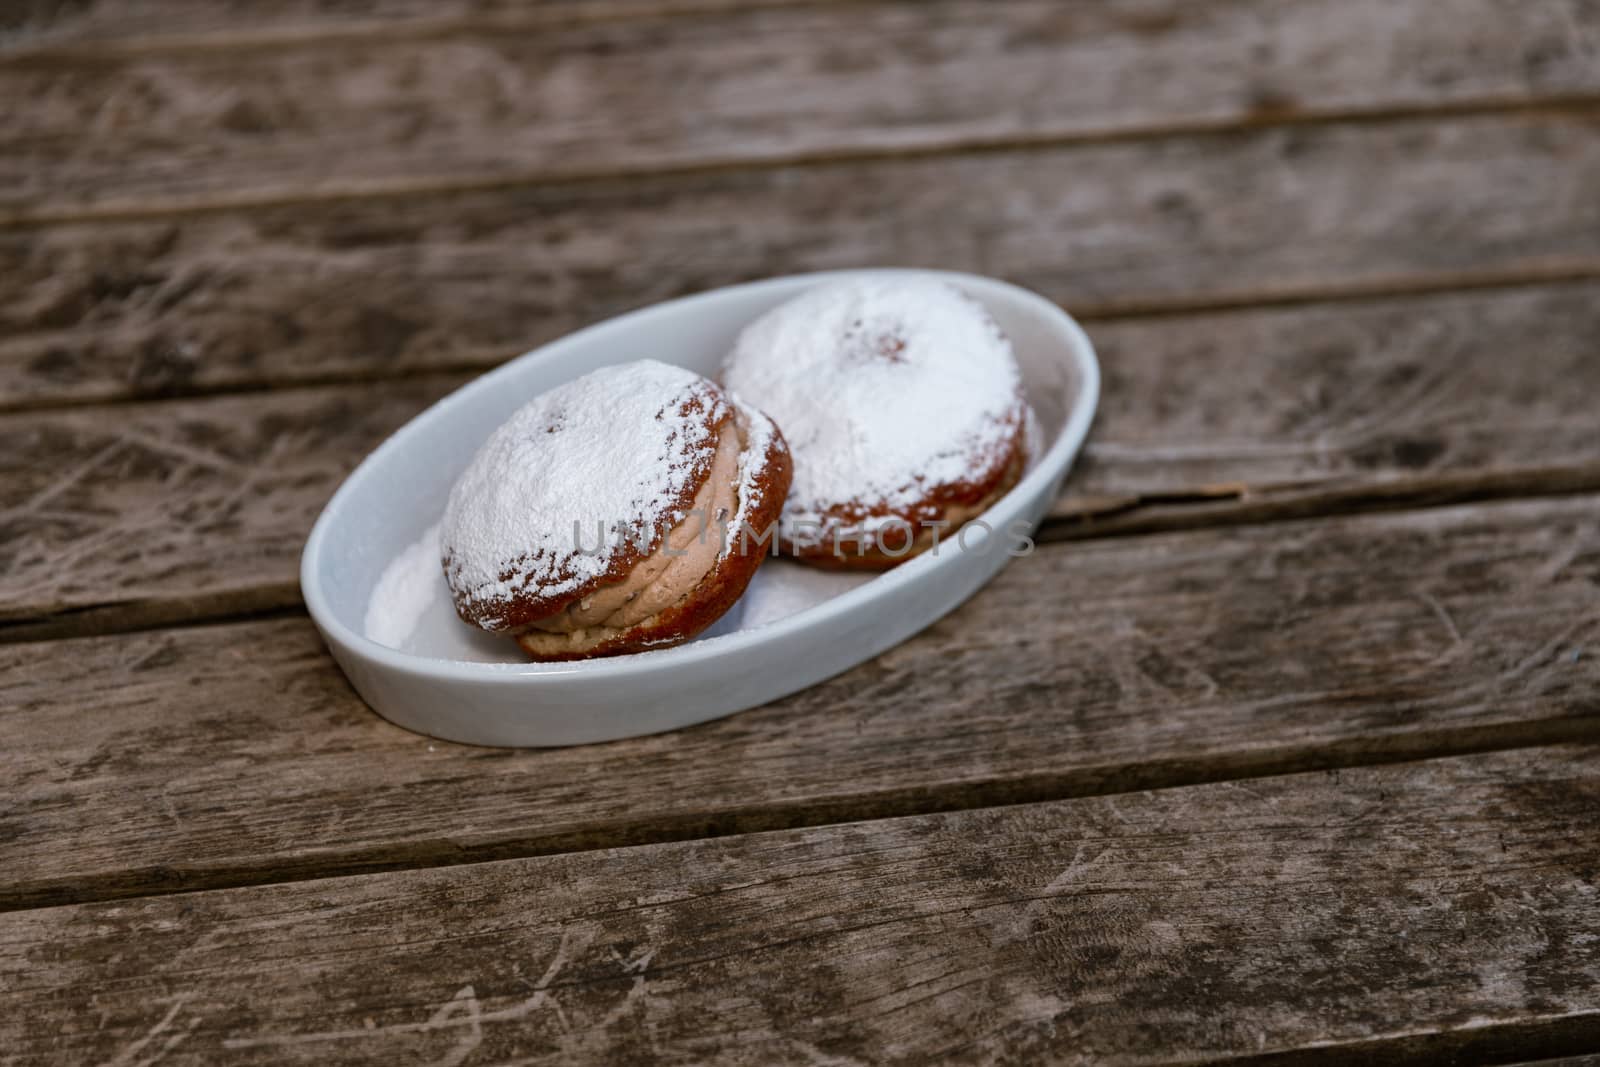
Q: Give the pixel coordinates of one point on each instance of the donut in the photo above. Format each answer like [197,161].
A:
[593,522]
[902,404]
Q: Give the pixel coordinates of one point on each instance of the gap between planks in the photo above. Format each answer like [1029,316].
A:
[1576,105]
[1374,291]
[1273,877]
[1508,1044]
[20,51]
[1108,780]
[1135,516]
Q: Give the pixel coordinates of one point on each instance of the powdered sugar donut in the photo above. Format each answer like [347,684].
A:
[902,404]
[592,522]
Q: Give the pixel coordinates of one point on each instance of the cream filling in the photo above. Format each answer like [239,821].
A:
[687,554]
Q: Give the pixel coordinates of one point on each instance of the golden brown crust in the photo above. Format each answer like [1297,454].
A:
[713,595]
[951,505]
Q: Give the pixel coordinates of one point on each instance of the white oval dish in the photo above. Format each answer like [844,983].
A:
[793,628]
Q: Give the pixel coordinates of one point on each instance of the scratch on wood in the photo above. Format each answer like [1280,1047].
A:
[34,505]
[1569,552]
[1445,618]
[462,1009]
[130,1055]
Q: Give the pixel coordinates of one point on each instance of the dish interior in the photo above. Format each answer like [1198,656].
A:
[398,494]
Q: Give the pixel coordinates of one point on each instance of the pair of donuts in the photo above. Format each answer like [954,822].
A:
[628,509]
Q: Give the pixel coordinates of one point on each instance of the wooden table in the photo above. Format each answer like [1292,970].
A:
[1282,747]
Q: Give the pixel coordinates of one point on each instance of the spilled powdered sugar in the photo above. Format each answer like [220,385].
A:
[410,609]
[614,449]
[409,584]
[886,388]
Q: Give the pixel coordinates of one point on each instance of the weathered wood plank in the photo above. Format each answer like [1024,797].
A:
[340,291]
[36,28]
[1344,393]
[158,132]
[188,508]
[224,755]
[192,507]
[1406,910]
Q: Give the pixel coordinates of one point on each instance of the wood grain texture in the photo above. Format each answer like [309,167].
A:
[358,290]
[176,509]
[83,28]
[1284,397]
[236,754]
[1375,915]
[198,508]
[157,132]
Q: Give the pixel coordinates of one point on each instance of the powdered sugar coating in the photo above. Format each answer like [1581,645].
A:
[889,389]
[760,434]
[624,446]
